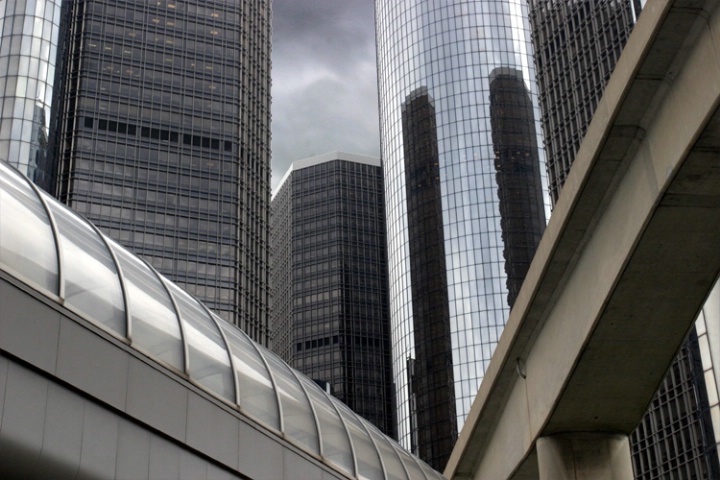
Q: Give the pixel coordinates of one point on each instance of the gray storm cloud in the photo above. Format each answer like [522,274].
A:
[324,80]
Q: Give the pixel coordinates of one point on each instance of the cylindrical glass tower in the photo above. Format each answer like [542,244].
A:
[459,129]
[28,45]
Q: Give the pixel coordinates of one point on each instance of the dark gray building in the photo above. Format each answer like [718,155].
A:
[162,138]
[577,44]
[329,279]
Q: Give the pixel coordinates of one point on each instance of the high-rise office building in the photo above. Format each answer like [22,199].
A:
[329,289]
[162,139]
[460,130]
[28,45]
[577,45]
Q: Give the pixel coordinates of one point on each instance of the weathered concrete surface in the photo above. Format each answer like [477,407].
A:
[627,259]
[584,456]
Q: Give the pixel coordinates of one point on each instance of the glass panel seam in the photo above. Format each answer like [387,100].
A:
[183,336]
[312,410]
[236,388]
[281,422]
[56,233]
[392,447]
[121,278]
[347,432]
[372,440]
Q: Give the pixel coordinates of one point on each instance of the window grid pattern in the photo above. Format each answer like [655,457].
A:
[672,440]
[451,50]
[577,45]
[163,138]
[29,31]
[218,358]
[329,288]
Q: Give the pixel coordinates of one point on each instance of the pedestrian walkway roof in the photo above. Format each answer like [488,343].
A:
[68,260]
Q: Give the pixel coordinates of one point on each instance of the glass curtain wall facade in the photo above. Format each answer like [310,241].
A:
[451,49]
[577,45]
[329,291]
[29,32]
[163,140]
[431,386]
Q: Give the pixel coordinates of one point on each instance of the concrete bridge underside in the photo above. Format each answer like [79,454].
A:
[628,258]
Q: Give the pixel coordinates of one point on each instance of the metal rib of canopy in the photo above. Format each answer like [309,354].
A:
[64,257]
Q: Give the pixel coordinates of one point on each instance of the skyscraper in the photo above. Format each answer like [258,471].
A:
[577,45]
[329,280]
[28,45]
[458,77]
[162,138]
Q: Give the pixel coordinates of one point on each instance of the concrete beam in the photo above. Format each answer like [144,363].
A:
[627,259]
[584,456]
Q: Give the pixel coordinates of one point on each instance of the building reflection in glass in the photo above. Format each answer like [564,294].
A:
[28,45]
[431,381]
[522,216]
[451,49]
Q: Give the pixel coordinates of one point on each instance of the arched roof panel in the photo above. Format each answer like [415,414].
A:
[91,281]
[30,250]
[336,445]
[63,257]
[298,418]
[256,395]
[366,455]
[209,360]
[155,326]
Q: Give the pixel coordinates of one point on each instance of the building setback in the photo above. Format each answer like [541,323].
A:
[457,76]
[577,45]
[162,138]
[28,45]
[329,281]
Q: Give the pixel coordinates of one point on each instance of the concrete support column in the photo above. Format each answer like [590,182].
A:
[584,456]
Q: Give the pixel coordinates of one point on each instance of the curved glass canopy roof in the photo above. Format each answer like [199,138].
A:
[58,253]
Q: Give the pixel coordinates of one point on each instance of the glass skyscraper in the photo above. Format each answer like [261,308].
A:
[460,132]
[29,32]
[330,317]
[162,139]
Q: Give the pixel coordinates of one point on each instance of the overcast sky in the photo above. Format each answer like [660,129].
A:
[324,80]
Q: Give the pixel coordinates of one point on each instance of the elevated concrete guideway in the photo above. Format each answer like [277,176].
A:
[628,257]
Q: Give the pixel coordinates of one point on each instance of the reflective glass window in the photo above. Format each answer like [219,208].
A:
[256,393]
[155,325]
[209,361]
[335,441]
[27,245]
[92,285]
[298,420]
